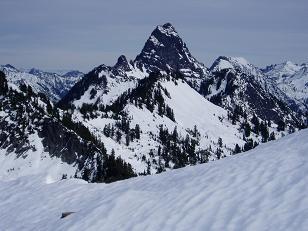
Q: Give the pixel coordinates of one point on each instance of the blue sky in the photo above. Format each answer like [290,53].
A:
[79,34]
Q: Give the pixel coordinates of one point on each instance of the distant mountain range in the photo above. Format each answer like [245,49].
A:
[292,80]
[54,85]
[161,111]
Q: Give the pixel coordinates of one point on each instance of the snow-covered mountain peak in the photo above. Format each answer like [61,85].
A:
[304,65]
[292,79]
[167,29]
[163,35]
[289,68]
[240,61]
[122,64]
[290,63]
[282,70]
[237,83]
[165,50]
[73,74]
[237,64]
[35,71]
[9,66]
[221,63]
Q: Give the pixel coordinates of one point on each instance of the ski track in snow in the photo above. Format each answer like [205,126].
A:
[263,189]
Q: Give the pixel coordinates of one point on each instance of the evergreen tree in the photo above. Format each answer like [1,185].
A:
[218,153]
[220,142]
[159,151]
[107,130]
[203,156]
[148,167]
[23,88]
[196,133]
[237,149]
[86,175]
[248,145]
[112,131]
[160,167]
[49,108]
[281,125]
[112,153]
[137,131]
[99,171]
[272,136]
[118,136]
[264,132]
[256,123]
[175,135]
[93,93]
[3,84]
[127,139]
[169,113]
[115,168]
[30,91]
[247,129]
[161,110]
[291,129]
[163,134]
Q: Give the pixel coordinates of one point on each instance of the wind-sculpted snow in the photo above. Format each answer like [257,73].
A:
[262,189]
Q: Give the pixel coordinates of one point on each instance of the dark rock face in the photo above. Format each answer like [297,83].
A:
[164,48]
[122,64]
[166,51]
[264,104]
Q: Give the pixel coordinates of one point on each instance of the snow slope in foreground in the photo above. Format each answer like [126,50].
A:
[263,189]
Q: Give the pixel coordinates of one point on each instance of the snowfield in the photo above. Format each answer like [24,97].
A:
[190,109]
[263,189]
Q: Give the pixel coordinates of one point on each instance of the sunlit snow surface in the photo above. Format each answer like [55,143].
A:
[32,162]
[190,109]
[263,189]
